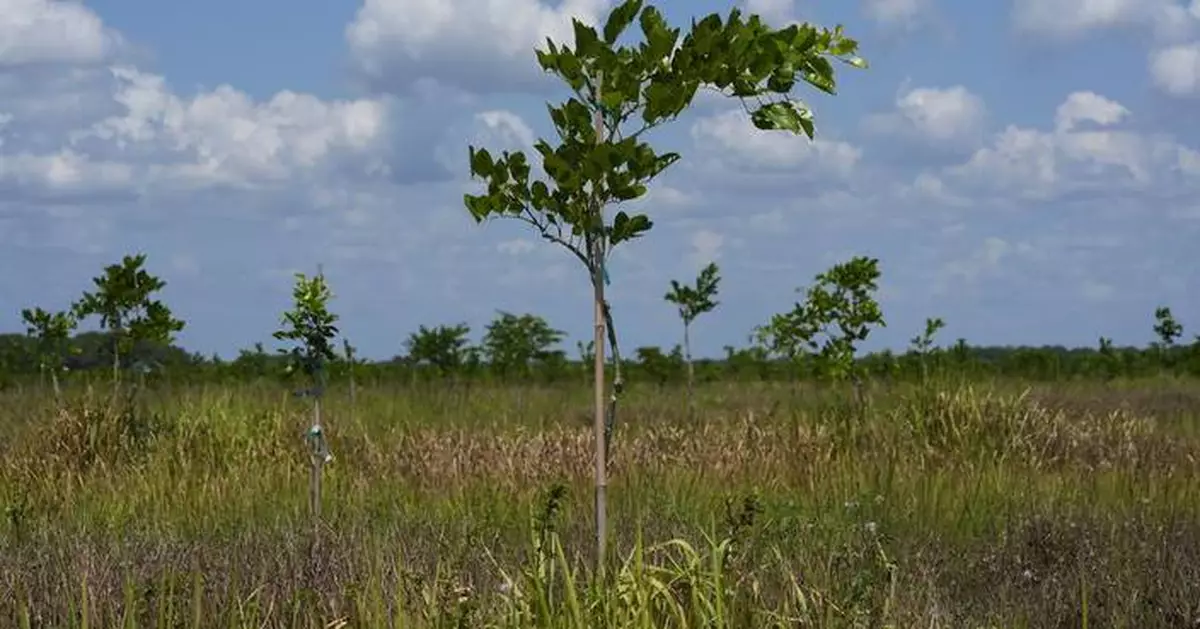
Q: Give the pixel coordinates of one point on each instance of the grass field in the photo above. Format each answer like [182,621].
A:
[983,505]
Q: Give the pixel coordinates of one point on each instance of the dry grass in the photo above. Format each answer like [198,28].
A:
[984,506]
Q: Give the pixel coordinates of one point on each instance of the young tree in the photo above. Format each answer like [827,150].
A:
[512,343]
[348,352]
[52,334]
[922,344]
[310,326]
[838,312]
[1109,361]
[123,302]
[620,93]
[1168,330]
[692,302]
[445,347]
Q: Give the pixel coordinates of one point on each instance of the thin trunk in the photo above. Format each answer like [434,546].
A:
[691,371]
[598,377]
[314,485]
[116,366]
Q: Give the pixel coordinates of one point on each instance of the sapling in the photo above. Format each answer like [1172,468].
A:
[693,301]
[1109,361]
[843,306]
[348,354]
[587,357]
[1168,331]
[52,333]
[310,325]
[620,93]
[123,302]
[837,313]
[922,344]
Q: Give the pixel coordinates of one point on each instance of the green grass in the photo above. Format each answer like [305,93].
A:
[983,505]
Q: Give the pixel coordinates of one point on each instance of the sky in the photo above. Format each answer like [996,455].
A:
[1026,170]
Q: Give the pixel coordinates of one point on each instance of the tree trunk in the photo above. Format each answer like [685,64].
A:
[598,377]
[691,371]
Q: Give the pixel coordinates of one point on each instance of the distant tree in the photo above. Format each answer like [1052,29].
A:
[658,367]
[587,355]
[1110,363]
[123,302]
[1168,330]
[838,312]
[52,333]
[252,363]
[922,344]
[512,344]
[445,348]
[693,301]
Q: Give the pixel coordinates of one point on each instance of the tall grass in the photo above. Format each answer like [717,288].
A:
[979,505]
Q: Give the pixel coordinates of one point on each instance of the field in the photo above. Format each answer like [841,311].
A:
[986,504]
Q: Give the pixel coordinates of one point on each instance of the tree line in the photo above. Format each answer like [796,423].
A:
[816,340]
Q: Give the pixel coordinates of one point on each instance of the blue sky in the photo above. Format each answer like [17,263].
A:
[1027,170]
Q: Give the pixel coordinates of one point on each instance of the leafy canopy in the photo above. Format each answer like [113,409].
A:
[838,312]
[444,347]
[629,90]
[52,332]
[122,300]
[698,299]
[1166,327]
[310,325]
[512,343]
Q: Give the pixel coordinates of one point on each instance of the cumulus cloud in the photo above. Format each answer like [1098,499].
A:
[1023,162]
[479,45]
[1069,18]
[934,115]
[52,31]
[222,137]
[1176,69]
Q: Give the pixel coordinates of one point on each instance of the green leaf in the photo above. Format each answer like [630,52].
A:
[620,19]
[481,162]
[587,43]
[660,38]
[627,227]
[783,115]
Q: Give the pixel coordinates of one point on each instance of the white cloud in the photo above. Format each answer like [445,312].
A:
[983,262]
[706,247]
[897,13]
[1087,107]
[65,172]
[951,115]
[52,31]
[774,12]
[1176,69]
[481,45]
[218,137]
[1067,18]
[736,141]
[1029,163]
[495,130]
